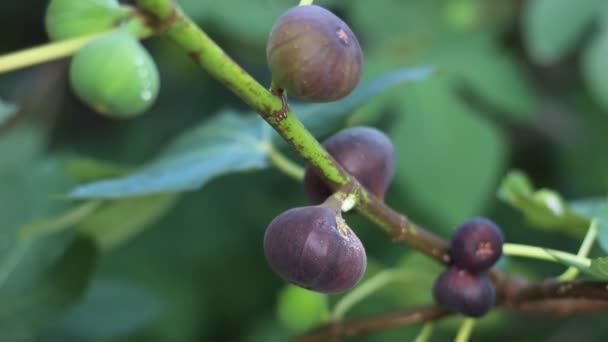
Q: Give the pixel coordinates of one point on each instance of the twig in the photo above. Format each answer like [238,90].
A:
[343,329]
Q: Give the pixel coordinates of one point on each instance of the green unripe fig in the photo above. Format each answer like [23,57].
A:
[115,75]
[72,18]
[314,55]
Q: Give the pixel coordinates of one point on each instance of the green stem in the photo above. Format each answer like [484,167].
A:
[285,165]
[64,48]
[275,110]
[44,53]
[425,333]
[572,272]
[464,333]
[534,252]
[362,291]
[305,2]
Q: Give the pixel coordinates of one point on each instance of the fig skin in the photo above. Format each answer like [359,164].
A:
[364,152]
[312,247]
[462,291]
[71,18]
[115,75]
[477,244]
[314,55]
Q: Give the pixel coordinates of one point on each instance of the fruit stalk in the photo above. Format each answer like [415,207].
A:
[275,110]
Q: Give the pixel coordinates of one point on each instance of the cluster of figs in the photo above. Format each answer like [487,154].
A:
[314,56]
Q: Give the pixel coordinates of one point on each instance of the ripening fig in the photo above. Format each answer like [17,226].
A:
[312,247]
[460,290]
[314,55]
[364,152]
[72,18]
[477,244]
[115,75]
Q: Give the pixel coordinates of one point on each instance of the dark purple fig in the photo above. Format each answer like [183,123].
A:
[312,247]
[314,55]
[477,244]
[364,152]
[469,293]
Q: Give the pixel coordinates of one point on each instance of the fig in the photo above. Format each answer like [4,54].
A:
[364,152]
[115,75]
[465,292]
[314,248]
[314,55]
[477,244]
[71,18]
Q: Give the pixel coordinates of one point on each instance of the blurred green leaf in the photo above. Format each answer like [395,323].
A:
[595,67]
[7,111]
[227,143]
[595,208]
[301,309]
[448,158]
[59,223]
[111,308]
[89,169]
[323,118]
[492,74]
[119,220]
[227,15]
[544,208]
[599,267]
[30,306]
[552,27]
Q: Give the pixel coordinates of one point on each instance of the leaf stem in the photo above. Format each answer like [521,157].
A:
[285,165]
[464,333]
[362,291]
[425,333]
[572,272]
[44,53]
[541,253]
[60,49]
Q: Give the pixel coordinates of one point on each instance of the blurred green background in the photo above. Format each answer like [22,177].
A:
[519,84]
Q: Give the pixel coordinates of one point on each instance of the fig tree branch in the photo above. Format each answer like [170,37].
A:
[512,292]
[273,109]
[338,330]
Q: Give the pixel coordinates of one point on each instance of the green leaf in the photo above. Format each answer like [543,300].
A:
[595,208]
[227,143]
[89,169]
[324,118]
[544,208]
[301,309]
[595,67]
[111,308]
[495,76]
[227,15]
[119,220]
[29,306]
[552,27]
[599,267]
[59,223]
[448,158]
[7,111]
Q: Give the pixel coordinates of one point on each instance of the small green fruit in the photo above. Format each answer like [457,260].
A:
[314,55]
[72,18]
[115,75]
